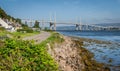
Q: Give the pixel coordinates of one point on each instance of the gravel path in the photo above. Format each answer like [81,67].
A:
[38,38]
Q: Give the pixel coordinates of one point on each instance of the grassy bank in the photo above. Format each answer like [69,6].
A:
[19,55]
[22,35]
[54,38]
[16,34]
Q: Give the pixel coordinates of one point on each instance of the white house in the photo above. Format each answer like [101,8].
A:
[6,26]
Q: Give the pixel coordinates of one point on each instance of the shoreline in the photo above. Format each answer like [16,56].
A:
[90,40]
[71,56]
[100,42]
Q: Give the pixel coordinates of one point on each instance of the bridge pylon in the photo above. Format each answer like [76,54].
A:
[77,27]
[53,23]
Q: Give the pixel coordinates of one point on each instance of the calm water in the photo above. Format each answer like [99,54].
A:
[104,53]
[100,35]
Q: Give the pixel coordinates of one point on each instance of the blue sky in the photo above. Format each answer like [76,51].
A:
[90,11]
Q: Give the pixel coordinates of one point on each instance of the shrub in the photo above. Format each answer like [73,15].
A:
[19,55]
[2,29]
[27,30]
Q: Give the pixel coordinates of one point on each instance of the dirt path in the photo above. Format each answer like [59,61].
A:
[38,38]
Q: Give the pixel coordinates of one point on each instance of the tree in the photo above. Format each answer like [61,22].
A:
[2,13]
[36,24]
[18,20]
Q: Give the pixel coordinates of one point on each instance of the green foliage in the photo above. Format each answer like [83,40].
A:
[47,29]
[19,55]
[2,13]
[18,20]
[54,38]
[36,24]
[27,30]
[24,25]
[22,35]
[2,29]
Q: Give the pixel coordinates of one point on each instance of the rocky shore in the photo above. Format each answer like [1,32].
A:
[71,56]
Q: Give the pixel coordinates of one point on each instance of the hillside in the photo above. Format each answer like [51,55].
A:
[4,15]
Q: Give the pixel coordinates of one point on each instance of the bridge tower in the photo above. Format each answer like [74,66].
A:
[80,27]
[53,23]
[77,27]
[87,27]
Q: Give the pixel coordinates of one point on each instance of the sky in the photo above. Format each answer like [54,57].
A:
[86,11]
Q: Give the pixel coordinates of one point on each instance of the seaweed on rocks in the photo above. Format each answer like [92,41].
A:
[87,58]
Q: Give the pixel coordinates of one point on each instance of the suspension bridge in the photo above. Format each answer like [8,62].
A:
[78,25]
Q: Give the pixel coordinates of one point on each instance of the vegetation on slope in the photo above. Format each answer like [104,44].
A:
[19,55]
[4,33]
[4,15]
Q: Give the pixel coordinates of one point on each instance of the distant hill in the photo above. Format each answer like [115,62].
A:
[109,24]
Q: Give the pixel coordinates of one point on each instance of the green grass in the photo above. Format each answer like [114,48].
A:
[2,31]
[54,38]
[17,34]
[22,35]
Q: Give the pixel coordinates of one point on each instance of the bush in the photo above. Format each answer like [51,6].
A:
[2,29]
[19,55]
[28,30]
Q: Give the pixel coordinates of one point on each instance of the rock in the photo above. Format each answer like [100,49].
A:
[107,69]
[62,55]
[62,63]
[87,63]
[68,68]
[72,57]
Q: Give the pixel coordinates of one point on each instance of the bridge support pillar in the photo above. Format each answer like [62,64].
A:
[52,26]
[77,27]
